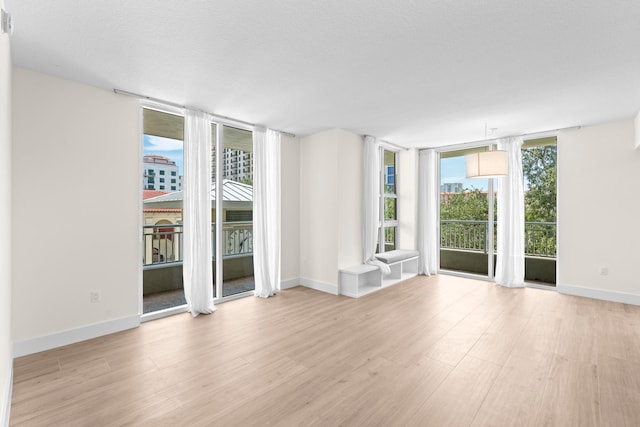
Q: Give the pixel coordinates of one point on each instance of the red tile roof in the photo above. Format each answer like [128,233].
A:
[147,194]
[162,210]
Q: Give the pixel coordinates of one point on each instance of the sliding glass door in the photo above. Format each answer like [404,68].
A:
[231,210]
[467,217]
[468,210]
[539,160]
[237,211]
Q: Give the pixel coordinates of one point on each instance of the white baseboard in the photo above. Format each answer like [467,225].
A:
[330,288]
[350,294]
[606,295]
[290,283]
[5,404]
[71,336]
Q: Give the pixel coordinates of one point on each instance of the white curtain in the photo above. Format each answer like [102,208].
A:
[510,230]
[266,209]
[428,212]
[371,203]
[197,270]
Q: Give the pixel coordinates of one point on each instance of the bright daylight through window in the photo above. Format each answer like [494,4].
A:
[467,235]
[388,202]
[162,184]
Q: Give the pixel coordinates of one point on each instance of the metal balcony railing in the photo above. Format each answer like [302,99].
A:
[470,235]
[466,235]
[540,239]
[163,243]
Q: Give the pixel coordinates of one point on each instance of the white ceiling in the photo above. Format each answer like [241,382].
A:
[417,73]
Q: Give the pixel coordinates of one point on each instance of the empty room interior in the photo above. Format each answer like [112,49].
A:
[319,213]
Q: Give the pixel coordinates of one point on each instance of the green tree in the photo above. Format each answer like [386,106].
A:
[539,170]
[469,205]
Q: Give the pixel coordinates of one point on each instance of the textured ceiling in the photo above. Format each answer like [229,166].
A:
[417,73]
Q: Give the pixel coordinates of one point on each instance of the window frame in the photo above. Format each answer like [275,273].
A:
[383,196]
[216,146]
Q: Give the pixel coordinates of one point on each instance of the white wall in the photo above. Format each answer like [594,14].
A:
[350,152]
[598,205]
[330,206]
[318,217]
[6,359]
[85,235]
[290,209]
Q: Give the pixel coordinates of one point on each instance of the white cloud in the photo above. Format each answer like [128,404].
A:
[160,144]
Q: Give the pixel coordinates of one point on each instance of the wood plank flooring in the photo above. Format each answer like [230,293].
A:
[431,351]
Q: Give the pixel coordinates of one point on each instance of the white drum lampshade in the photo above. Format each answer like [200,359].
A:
[486,164]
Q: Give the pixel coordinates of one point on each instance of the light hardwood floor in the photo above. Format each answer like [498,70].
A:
[437,351]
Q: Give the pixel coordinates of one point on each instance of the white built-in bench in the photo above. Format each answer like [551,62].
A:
[364,278]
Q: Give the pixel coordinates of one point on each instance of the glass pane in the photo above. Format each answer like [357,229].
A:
[162,210]
[539,160]
[390,211]
[389,168]
[464,213]
[389,238]
[237,171]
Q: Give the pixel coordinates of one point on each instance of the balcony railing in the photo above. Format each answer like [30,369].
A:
[468,235]
[540,239]
[163,243]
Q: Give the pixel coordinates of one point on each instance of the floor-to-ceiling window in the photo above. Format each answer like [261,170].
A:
[389,200]
[162,173]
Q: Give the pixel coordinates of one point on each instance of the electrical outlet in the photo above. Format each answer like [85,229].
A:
[604,271]
[95,296]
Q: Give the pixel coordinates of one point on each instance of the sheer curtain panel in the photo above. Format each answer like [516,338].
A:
[428,212]
[266,206]
[197,270]
[371,203]
[510,230]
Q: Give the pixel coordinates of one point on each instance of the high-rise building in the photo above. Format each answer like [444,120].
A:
[237,165]
[451,187]
[160,173]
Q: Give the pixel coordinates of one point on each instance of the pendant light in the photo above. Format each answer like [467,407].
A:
[486,164]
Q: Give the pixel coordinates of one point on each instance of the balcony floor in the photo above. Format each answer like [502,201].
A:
[167,299]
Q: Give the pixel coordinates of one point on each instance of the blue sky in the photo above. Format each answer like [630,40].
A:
[452,169]
[171,148]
